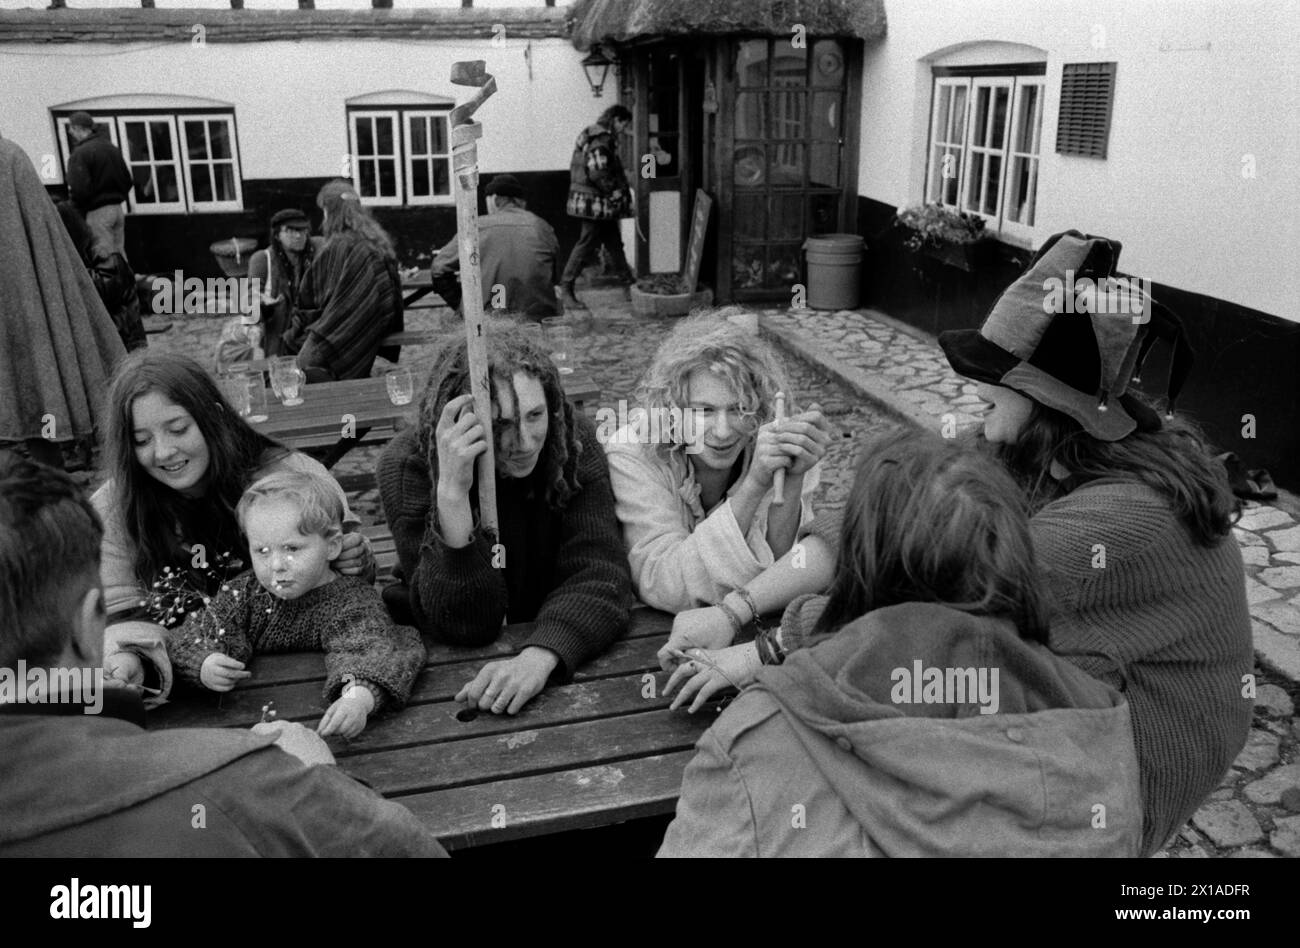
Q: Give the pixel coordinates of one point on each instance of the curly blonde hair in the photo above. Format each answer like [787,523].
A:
[710,340]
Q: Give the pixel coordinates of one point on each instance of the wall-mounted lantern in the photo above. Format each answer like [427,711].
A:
[596,65]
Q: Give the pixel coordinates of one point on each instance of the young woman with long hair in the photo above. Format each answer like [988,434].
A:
[179,458]
[350,298]
[558,561]
[926,716]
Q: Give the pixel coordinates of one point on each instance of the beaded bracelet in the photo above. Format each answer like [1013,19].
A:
[748,598]
[730,613]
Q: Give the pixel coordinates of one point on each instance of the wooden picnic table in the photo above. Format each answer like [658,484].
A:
[416,288]
[600,750]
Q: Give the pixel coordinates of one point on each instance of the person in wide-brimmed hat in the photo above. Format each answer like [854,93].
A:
[1131,516]
[281,267]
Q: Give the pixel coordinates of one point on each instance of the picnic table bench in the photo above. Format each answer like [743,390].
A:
[600,750]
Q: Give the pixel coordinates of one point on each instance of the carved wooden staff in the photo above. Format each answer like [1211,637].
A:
[464,159]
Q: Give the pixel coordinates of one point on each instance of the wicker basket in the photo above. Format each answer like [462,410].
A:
[232,255]
[675,304]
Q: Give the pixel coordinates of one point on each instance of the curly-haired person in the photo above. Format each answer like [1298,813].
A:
[694,474]
[558,561]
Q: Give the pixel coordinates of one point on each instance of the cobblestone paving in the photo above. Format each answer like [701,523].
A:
[869,374]
[1256,810]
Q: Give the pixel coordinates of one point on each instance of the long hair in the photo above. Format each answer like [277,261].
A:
[928,520]
[509,351]
[614,112]
[708,340]
[281,256]
[153,512]
[1174,461]
[345,214]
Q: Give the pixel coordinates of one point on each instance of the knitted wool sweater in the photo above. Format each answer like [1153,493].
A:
[1165,621]
[566,570]
[345,619]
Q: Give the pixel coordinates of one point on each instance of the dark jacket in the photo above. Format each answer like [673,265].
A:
[564,570]
[518,251]
[97,173]
[598,187]
[284,286]
[832,753]
[98,785]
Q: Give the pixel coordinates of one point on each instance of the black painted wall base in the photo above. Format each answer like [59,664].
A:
[1247,362]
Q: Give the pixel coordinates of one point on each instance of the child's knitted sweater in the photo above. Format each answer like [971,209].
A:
[345,619]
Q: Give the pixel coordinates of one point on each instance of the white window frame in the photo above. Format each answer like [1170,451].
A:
[395,116]
[211,206]
[997,222]
[940,147]
[442,115]
[1034,156]
[180,206]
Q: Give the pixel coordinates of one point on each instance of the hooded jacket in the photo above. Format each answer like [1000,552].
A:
[98,785]
[841,751]
[97,173]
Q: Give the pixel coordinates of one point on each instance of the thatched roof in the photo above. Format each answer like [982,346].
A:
[601,21]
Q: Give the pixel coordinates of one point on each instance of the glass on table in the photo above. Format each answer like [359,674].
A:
[235,390]
[401,386]
[256,397]
[559,337]
[279,366]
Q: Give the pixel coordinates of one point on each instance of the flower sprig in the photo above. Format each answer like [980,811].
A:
[178,592]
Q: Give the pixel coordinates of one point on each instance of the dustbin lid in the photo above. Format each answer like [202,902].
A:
[835,243]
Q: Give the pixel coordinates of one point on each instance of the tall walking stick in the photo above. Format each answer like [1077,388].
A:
[464,159]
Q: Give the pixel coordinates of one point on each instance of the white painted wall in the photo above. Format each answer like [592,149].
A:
[277,4]
[1171,188]
[289,96]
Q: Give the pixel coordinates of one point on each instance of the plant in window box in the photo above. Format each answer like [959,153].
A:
[945,234]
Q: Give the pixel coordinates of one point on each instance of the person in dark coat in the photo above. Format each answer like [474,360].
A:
[351,297]
[599,195]
[82,778]
[113,277]
[98,180]
[281,267]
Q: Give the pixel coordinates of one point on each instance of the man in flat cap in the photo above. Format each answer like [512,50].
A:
[518,255]
[280,267]
[98,182]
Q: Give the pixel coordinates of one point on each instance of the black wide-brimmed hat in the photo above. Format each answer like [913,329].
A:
[506,185]
[1072,335]
[290,217]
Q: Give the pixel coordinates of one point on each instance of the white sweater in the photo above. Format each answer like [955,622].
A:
[682,558]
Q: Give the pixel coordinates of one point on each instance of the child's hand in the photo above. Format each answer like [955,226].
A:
[220,672]
[125,667]
[346,717]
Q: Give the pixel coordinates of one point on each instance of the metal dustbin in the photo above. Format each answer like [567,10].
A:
[834,262]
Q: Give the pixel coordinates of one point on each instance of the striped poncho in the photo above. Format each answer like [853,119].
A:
[350,298]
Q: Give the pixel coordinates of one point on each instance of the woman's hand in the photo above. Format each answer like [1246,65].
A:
[220,672]
[356,557]
[505,687]
[461,439]
[707,628]
[704,673]
[803,438]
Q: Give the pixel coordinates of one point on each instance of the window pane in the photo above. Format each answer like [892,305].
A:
[824,166]
[420,179]
[196,138]
[787,220]
[439,128]
[942,113]
[973,182]
[365,136]
[788,112]
[825,119]
[442,176]
[783,267]
[200,183]
[751,63]
[747,266]
[750,217]
[387,178]
[750,120]
[787,164]
[219,134]
[419,129]
[169,189]
[225,175]
[384,136]
[993,184]
[827,63]
[160,132]
[1024,135]
[1000,99]
[790,66]
[144,191]
[137,141]
[950,174]
[958,115]
[367,188]
[980,125]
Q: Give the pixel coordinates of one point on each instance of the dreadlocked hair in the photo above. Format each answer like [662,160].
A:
[509,351]
[1174,461]
[708,339]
